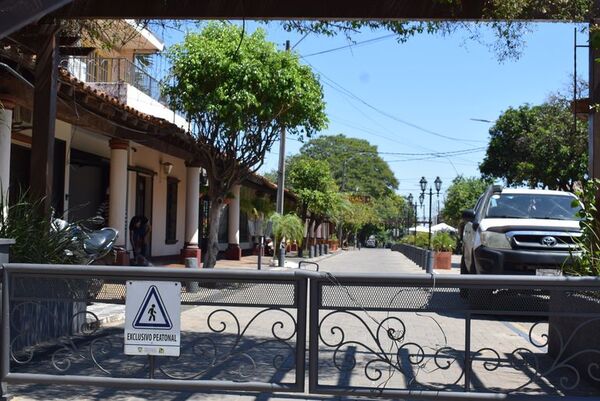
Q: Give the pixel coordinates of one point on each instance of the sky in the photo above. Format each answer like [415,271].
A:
[422,96]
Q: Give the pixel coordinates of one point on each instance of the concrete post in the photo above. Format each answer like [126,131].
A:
[234,252]
[5,135]
[117,200]
[192,211]
[191,263]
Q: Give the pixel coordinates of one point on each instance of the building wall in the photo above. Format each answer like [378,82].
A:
[150,159]
[140,101]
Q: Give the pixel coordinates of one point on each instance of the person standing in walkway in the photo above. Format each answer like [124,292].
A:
[139,236]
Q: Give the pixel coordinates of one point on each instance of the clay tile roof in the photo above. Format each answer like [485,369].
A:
[67,77]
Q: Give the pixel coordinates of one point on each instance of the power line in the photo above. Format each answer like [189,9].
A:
[335,86]
[350,45]
[449,153]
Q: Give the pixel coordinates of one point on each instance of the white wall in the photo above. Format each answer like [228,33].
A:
[142,156]
[149,159]
[144,103]
[64,133]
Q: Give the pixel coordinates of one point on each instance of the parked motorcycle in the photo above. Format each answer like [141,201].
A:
[88,244]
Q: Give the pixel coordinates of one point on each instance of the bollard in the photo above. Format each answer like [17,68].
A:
[320,249]
[191,263]
[281,256]
[326,249]
[429,262]
[311,252]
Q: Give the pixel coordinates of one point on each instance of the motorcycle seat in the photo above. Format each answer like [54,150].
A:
[98,241]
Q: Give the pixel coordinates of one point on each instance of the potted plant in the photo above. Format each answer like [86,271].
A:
[443,244]
[333,242]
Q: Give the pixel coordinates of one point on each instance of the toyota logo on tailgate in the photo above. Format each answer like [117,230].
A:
[549,241]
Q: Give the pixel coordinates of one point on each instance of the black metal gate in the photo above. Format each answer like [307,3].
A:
[415,337]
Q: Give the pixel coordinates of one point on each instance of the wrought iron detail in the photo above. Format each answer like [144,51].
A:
[383,360]
[210,351]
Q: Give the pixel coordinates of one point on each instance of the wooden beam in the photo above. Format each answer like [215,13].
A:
[273,9]
[292,9]
[76,51]
[17,14]
[44,121]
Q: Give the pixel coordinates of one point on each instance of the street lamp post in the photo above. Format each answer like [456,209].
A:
[410,205]
[421,203]
[438,187]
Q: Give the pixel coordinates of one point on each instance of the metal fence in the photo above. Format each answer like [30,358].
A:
[420,256]
[415,337]
[110,70]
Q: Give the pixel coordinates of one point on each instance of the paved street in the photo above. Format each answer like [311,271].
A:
[353,351]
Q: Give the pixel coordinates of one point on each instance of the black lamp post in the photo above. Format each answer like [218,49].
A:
[413,205]
[438,187]
[421,201]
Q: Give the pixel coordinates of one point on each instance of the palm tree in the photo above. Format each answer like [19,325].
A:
[287,226]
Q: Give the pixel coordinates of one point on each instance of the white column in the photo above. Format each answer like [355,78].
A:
[5,134]
[192,205]
[234,217]
[117,206]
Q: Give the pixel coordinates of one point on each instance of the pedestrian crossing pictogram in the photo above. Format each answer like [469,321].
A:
[152,313]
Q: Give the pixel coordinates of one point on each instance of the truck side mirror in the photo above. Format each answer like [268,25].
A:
[468,215]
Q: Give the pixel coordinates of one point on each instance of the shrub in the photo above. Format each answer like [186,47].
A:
[422,239]
[587,263]
[37,240]
[443,242]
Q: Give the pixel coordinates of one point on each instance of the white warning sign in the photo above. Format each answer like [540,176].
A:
[152,318]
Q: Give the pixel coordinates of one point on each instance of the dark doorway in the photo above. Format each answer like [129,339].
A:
[88,185]
[19,174]
[143,200]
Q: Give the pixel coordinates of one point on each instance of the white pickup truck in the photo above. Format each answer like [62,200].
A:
[520,231]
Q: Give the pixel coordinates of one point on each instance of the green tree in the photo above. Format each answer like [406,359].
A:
[462,194]
[354,163]
[355,216]
[239,92]
[390,209]
[538,146]
[319,197]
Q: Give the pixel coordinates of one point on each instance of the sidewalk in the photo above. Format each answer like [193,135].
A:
[250,261]
[111,314]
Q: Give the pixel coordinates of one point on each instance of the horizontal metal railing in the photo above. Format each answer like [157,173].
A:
[109,70]
[383,310]
[420,256]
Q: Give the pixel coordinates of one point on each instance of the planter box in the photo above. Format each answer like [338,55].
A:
[443,260]
[574,342]
[44,310]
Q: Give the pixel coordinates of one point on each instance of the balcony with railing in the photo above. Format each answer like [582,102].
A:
[124,80]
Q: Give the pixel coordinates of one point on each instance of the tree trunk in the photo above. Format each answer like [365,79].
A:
[212,248]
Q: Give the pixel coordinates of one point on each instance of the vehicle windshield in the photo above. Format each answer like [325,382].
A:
[532,206]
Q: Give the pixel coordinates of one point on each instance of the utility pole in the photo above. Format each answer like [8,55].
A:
[281,170]
[281,180]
